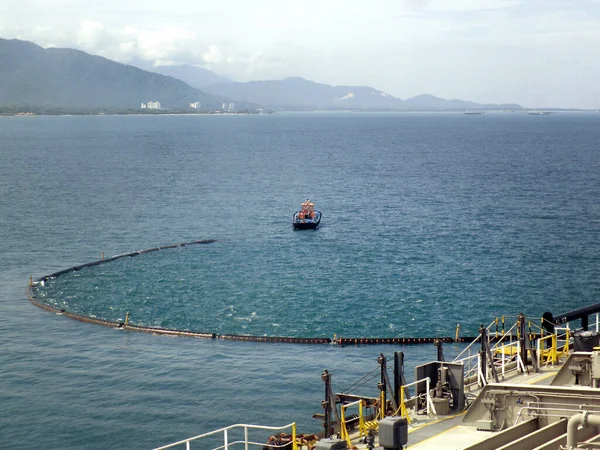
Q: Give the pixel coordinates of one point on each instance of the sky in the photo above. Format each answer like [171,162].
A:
[537,53]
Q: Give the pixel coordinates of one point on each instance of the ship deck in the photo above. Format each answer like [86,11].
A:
[450,432]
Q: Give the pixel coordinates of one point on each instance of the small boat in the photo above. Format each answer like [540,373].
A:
[307,218]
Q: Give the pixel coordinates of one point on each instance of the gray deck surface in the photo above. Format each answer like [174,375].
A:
[433,429]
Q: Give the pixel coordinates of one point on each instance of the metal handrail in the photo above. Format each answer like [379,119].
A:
[474,371]
[517,354]
[566,340]
[550,353]
[474,341]
[246,442]
[402,407]
[344,434]
[505,334]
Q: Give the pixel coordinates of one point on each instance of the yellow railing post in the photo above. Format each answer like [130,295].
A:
[294,442]
[550,354]
[102,256]
[457,332]
[30,281]
[402,406]
[403,410]
[126,318]
[496,327]
[343,429]
[361,420]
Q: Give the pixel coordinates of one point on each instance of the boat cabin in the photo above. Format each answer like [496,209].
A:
[307,211]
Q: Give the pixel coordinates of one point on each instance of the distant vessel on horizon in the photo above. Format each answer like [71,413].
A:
[474,113]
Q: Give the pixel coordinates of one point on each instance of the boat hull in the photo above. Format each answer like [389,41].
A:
[306,224]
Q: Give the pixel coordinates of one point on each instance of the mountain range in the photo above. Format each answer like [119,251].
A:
[298,93]
[197,77]
[32,75]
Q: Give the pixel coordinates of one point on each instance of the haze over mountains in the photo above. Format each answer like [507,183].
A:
[32,75]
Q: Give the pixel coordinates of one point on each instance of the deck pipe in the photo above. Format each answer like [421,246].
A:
[580,313]
[585,419]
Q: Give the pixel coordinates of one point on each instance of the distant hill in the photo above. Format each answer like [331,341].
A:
[432,103]
[33,75]
[197,77]
[298,93]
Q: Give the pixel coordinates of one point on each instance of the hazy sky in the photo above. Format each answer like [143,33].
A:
[539,53]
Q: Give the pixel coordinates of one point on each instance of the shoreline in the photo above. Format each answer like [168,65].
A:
[525,111]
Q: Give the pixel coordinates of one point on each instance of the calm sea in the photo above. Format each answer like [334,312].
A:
[429,220]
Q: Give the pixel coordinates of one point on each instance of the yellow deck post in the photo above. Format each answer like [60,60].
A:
[361,420]
[294,442]
[403,410]
[343,429]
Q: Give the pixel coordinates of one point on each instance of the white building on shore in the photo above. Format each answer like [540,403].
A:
[150,105]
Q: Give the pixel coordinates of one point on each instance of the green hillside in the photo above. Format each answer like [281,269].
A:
[31,75]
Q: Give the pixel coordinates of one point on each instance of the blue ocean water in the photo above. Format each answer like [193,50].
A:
[429,220]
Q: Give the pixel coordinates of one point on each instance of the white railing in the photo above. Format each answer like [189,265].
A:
[246,441]
[472,362]
[507,356]
[467,349]
[402,407]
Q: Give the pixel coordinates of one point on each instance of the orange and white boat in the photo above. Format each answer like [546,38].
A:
[308,218]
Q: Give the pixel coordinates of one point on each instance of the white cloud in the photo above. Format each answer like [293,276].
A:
[213,55]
